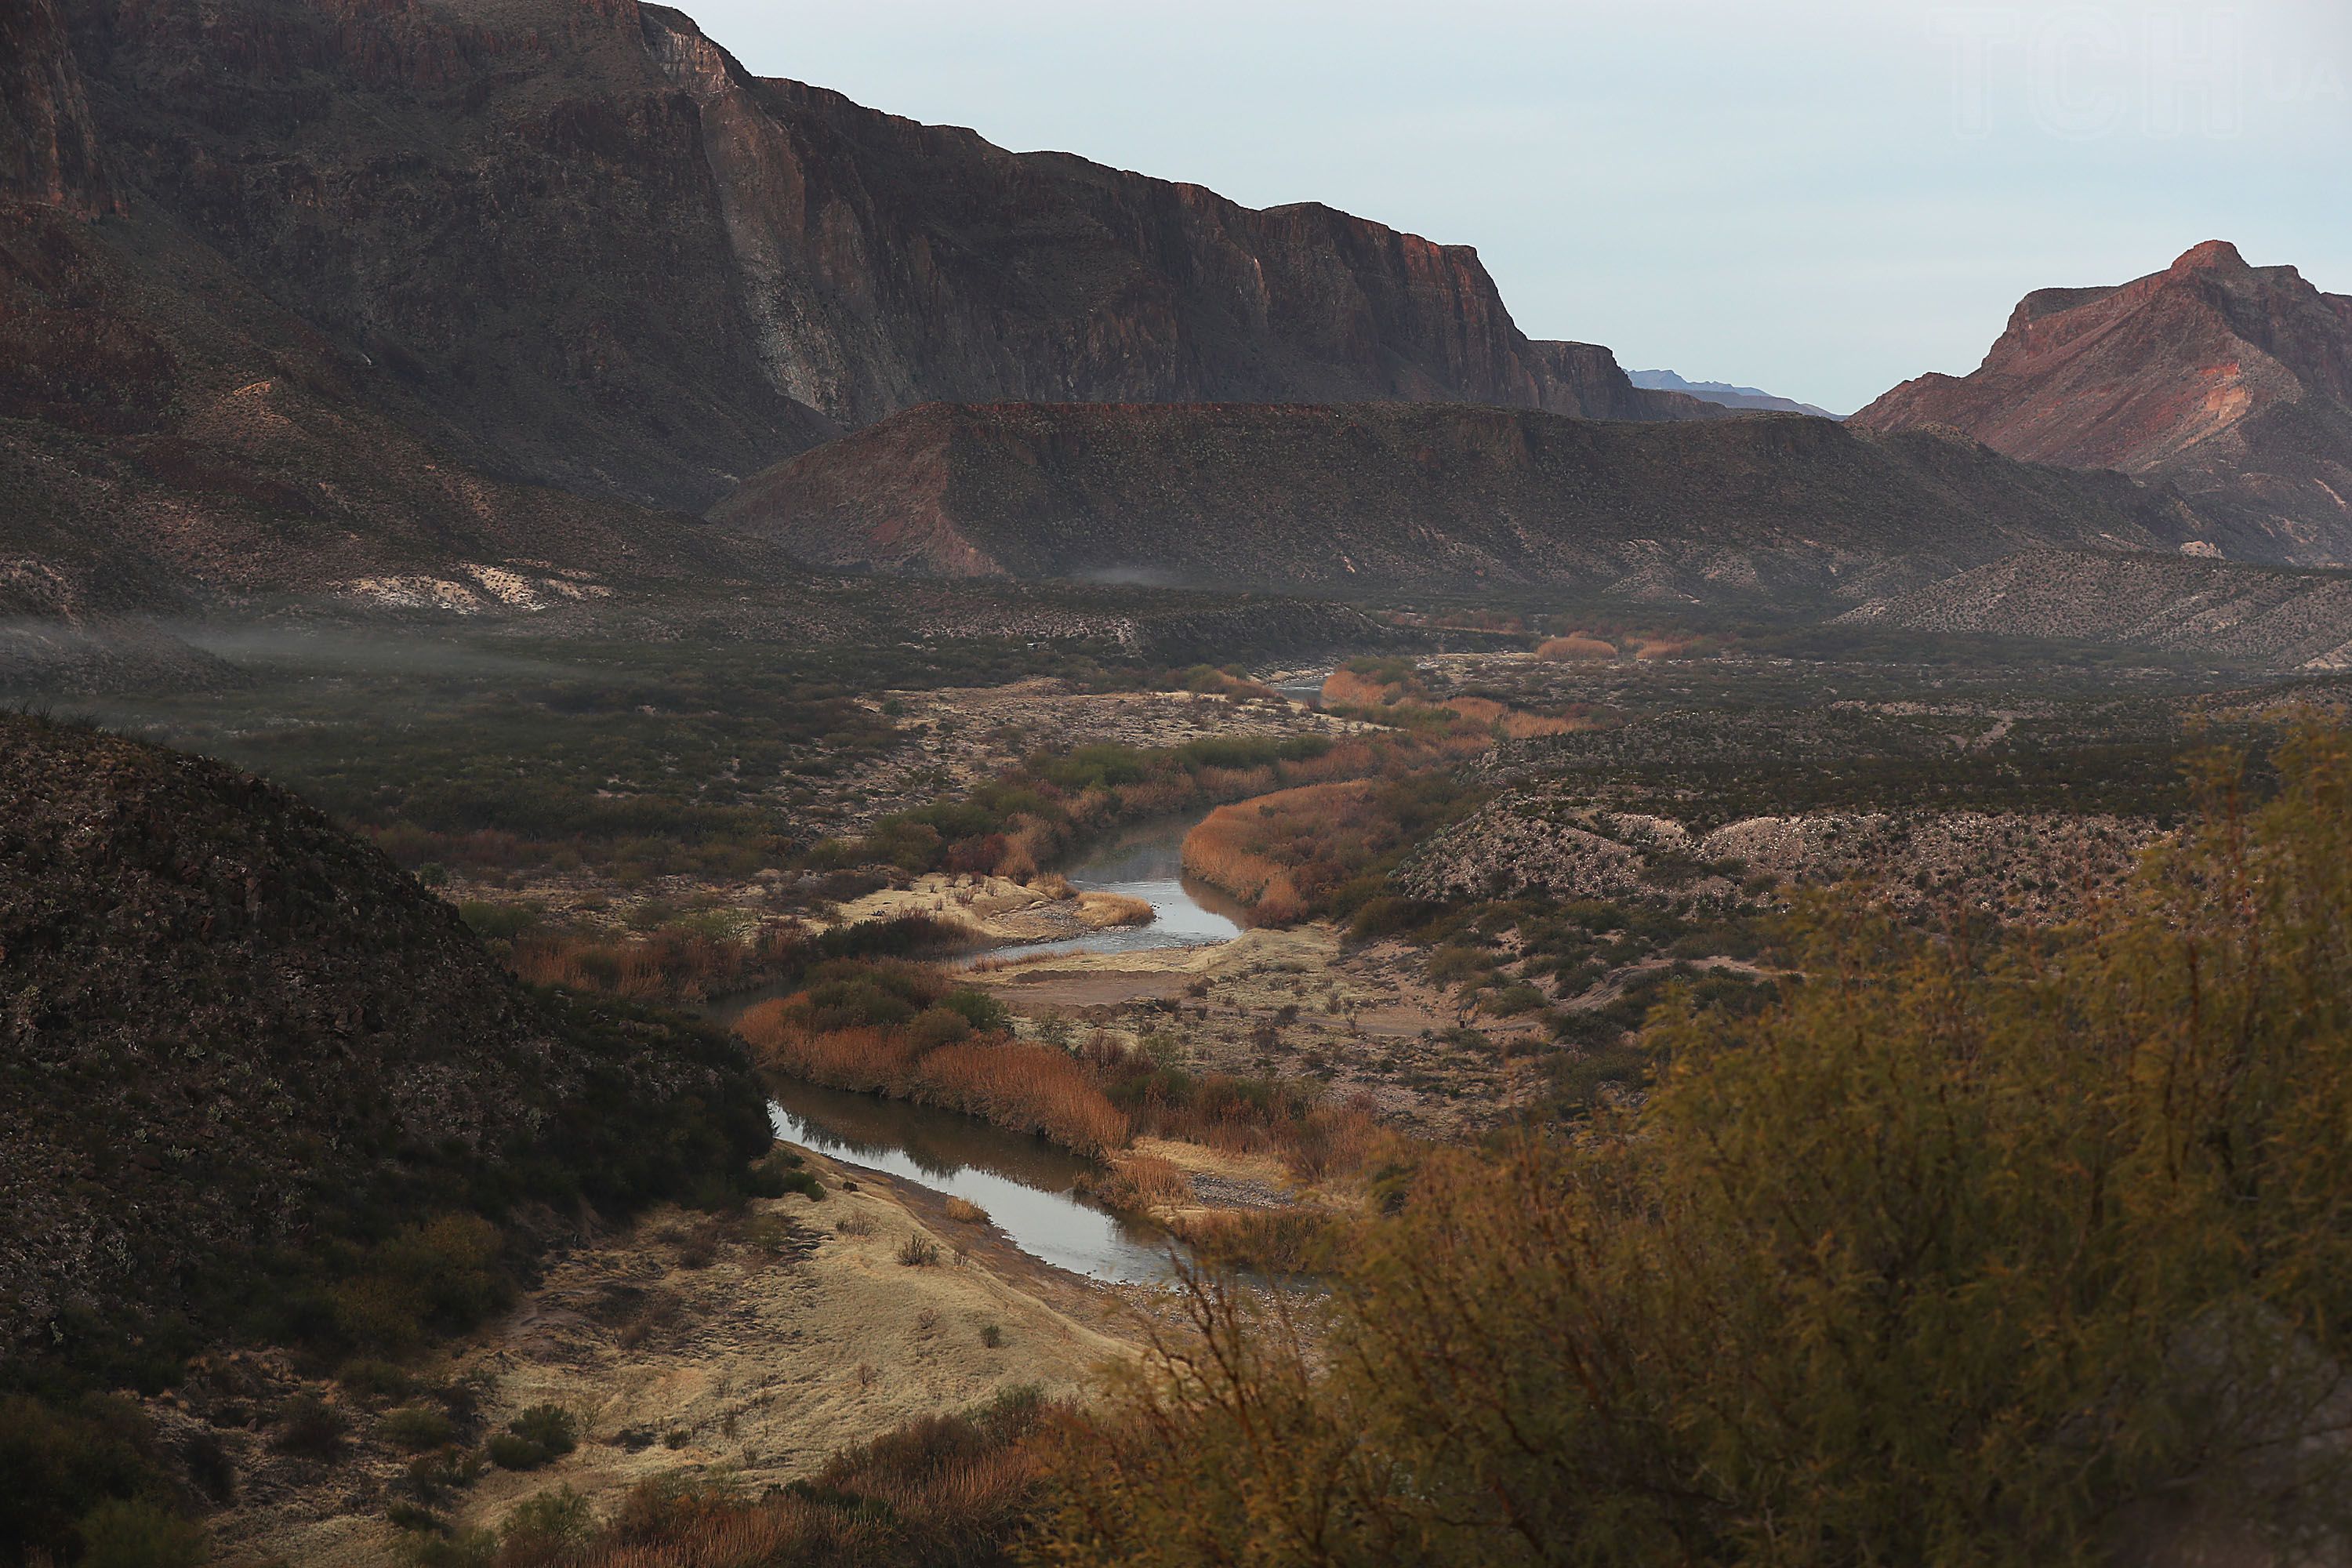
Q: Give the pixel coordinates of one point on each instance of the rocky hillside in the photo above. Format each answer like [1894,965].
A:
[2232,382]
[2249,615]
[294,293]
[226,1028]
[2033,866]
[1378,495]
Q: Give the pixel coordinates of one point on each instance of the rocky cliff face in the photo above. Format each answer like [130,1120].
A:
[2232,382]
[889,263]
[48,149]
[574,244]
[1375,495]
[390,290]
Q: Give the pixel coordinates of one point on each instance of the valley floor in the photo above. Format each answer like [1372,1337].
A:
[754,1345]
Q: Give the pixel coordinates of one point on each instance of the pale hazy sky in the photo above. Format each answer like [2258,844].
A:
[1821,197]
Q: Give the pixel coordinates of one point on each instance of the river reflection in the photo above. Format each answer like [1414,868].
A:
[1147,863]
[1024,1183]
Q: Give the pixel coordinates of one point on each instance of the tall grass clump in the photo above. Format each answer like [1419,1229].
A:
[2033,1253]
[1321,849]
[908,1032]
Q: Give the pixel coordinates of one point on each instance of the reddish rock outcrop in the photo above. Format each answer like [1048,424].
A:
[1424,495]
[2232,382]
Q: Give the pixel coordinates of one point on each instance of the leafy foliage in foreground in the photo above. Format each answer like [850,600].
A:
[2032,1255]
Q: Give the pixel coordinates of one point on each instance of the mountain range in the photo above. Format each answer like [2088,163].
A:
[554,299]
[1383,496]
[293,293]
[2231,382]
[1750,399]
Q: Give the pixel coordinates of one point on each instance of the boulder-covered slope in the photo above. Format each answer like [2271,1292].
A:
[231,1036]
[2233,383]
[1424,495]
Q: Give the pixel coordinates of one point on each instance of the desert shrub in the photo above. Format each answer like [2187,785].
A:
[309,1426]
[919,1251]
[1387,915]
[551,1426]
[783,1172]
[545,1526]
[499,922]
[1578,1081]
[540,1434]
[134,1532]
[510,1452]
[441,1276]
[1954,1254]
[404,1515]
[459,1549]
[366,1378]
[939,1026]
[1513,1000]
[445,1470]
[417,1429]
[63,1462]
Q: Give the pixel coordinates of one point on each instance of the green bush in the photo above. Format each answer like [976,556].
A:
[445,1470]
[133,1532]
[509,1452]
[441,1276]
[309,1426]
[540,1434]
[370,1379]
[1387,915]
[983,1011]
[461,1549]
[61,1465]
[548,1523]
[499,923]
[417,1429]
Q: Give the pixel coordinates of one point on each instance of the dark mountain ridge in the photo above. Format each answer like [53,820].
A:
[1748,399]
[1424,496]
[296,293]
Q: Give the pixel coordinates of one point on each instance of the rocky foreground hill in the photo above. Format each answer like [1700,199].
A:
[238,1049]
[1372,496]
[2233,383]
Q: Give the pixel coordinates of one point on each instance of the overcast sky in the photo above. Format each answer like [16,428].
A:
[1821,197]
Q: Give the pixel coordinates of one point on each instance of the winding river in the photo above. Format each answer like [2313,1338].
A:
[1027,1185]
